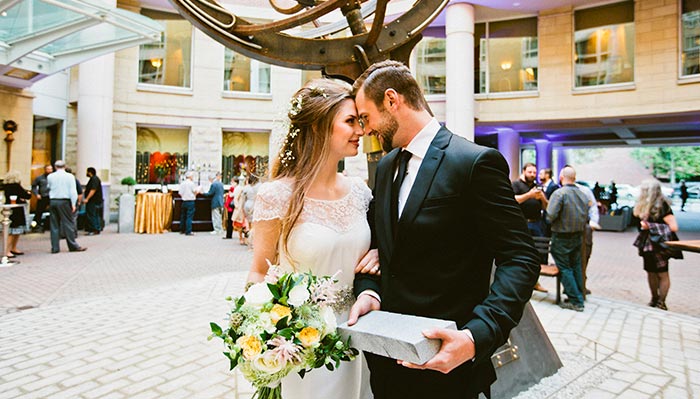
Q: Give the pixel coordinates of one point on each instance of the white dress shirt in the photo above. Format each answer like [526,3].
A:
[418,147]
[62,186]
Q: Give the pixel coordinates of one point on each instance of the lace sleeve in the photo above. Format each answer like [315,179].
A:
[365,192]
[272,201]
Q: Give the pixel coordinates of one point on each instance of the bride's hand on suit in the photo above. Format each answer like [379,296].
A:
[456,349]
[369,264]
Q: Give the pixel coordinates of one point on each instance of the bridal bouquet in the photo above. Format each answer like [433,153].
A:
[283,325]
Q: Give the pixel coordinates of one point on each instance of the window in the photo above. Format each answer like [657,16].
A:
[690,38]
[169,61]
[430,65]
[507,56]
[245,74]
[161,154]
[244,153]
[604,45]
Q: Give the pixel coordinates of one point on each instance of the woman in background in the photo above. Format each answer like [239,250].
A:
[657,224]
[250,191]
[229,205]
[18,225]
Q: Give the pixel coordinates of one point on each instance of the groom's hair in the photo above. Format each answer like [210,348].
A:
[391,74]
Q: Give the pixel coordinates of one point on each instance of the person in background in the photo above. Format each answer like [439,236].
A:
[684,195]
[64,197]
[597,190]
[239,222]
[587,244]
[250,191]
[229,206]
[533,202]
[613,194]
[79,189]
[188,192]
[548,184]
[656,221]
[568,213]
[18,225]
[93,202]
[216,192]
[40,188]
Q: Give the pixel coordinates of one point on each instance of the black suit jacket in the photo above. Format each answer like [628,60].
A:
[459,217]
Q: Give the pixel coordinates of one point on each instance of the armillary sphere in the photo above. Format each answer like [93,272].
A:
[284,43]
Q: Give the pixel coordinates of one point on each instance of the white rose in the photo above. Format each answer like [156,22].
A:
[258,295]
[266,323]
[329,320]
[268,363]
[298,295]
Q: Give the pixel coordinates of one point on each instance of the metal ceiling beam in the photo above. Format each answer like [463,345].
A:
[22,46]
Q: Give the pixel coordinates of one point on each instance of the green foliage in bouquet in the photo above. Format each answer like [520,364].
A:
[283,325]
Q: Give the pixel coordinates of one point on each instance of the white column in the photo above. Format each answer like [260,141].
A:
[459,103]
[509,146]
[95,105]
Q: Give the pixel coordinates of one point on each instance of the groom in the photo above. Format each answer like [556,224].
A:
[444,210]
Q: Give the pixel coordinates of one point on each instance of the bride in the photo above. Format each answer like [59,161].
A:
[311,218]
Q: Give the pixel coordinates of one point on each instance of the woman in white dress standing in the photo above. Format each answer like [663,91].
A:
[311,218]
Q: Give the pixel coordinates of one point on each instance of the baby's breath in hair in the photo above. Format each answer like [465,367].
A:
[286,154]
[319,91]
[295,105]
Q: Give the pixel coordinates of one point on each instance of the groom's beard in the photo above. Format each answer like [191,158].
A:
[386,131]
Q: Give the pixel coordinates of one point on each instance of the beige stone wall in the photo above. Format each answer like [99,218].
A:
[656,73]
[17,106]
[71,145]
[203,109]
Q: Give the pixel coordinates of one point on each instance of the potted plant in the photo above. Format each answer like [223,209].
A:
[127,203]
[129,182]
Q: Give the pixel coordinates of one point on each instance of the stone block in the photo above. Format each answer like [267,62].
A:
[127,209]
[396,336]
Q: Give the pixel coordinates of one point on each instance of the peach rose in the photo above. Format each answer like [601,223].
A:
[279,312]
[309,337]
[250,345]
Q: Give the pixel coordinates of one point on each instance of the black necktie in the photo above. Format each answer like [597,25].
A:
[404,156]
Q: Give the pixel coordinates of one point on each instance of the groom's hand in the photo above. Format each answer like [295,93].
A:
[363,305]
[456,349]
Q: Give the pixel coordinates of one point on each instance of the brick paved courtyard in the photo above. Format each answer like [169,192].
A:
[129,319]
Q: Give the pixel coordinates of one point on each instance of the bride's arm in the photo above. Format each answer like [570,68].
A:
[265,240]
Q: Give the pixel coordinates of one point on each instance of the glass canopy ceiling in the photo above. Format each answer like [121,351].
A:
[42,37]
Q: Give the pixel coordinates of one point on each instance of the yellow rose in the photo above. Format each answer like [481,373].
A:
[279,312]
[309,337]
[251,346]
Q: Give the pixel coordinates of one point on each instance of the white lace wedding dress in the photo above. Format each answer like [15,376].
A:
[329,236]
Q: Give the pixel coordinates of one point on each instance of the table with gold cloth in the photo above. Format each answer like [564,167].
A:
[154,213]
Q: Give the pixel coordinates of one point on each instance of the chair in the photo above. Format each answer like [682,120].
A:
[546,269]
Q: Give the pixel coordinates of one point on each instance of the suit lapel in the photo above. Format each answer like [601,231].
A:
[425,176]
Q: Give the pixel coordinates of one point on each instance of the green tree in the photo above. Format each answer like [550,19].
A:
[670,163]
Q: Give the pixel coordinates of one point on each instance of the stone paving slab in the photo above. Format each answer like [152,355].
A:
[129,319]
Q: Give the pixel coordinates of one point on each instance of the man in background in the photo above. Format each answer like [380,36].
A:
[93,202]
[40,188]
[216,192]
[532,202]
[64,198]
[587,244]
[188,192]
[568,213]
[548,185]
